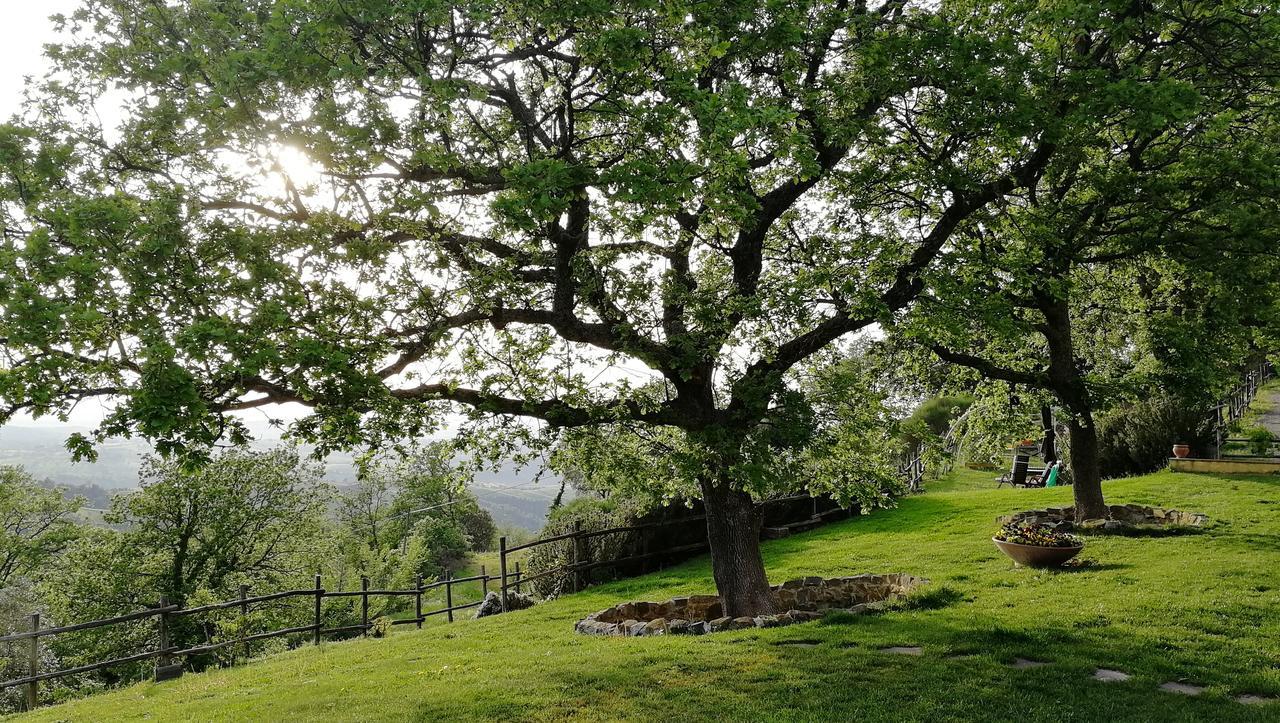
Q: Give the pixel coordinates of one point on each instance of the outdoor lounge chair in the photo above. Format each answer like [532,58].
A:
[1020,474]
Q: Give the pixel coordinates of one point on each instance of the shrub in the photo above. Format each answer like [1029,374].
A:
[587,514]
[1137,438]
[1037,535]
[380,627]
[1260,440]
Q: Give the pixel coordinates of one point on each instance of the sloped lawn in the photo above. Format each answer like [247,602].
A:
[1200,608]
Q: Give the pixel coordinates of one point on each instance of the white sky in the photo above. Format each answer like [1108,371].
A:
[24,30]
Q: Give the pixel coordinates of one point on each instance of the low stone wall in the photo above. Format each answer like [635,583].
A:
[1225,466]
[803,600]
[1118,517]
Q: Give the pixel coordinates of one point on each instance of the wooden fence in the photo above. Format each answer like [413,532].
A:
[1233,405]
[579,564]
[510,577]
[165,614]
[913,470]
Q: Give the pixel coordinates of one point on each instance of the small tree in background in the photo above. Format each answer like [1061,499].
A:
[36,524]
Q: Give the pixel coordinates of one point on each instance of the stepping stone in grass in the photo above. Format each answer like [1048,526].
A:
[1024,663]
[1183,688]
[1251,699]
[1110,676]
[903,650]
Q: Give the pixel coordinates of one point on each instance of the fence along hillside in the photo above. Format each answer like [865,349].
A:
[169,659]
[782,517]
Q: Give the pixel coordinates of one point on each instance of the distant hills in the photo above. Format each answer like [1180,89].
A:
[508,493]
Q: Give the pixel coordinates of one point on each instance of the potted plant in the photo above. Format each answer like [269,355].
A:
[1037,545]
[1181,450]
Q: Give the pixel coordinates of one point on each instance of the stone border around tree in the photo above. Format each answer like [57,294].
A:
[1119,518]
[803,600]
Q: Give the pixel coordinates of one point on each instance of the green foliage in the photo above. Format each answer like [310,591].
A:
[36,524]
[1260,441]
[935,416]
[588,515]
[192,535]
[1025,533]
[1138,437]
[997,613]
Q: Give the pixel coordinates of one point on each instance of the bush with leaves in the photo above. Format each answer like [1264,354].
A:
[1138,437]
[588,515]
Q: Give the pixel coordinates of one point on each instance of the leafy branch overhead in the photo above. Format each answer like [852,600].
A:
[495,204]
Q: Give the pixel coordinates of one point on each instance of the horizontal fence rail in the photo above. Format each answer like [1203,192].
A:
[511,577]
[574,570]
[1233,406]
[164,613]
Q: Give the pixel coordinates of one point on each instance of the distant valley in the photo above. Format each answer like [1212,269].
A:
[509,493]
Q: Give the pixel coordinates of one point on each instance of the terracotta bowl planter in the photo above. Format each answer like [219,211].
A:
[1036,556]
[1181,450]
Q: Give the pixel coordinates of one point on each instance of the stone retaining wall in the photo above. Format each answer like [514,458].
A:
[803,600]
[1118,517]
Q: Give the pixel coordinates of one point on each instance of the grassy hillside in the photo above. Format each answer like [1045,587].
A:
[1204,608]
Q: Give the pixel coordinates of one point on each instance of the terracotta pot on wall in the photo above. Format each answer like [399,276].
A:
[1181,450]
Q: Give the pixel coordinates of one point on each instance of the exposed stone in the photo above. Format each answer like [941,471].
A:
[1119,518]
[1252,699]
[720,624]
[492,603]
[1183,688]
[903,650]
[1025,663]
[1110,676]
[800,600]
[656,627]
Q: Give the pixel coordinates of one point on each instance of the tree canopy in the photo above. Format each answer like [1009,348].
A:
[385,211]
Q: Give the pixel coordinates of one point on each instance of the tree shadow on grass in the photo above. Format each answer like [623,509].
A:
[1087,566]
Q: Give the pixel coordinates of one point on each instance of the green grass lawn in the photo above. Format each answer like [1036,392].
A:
[1204,608]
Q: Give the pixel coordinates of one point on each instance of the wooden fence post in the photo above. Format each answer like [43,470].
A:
[518,577]
[577,530]
[165,668]
[244,621]
[315,639]
[448,595]
[33,663]
[417,603]
[484,582]
[502,564]
[364,604]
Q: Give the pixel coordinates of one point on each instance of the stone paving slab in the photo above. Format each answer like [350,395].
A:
[903,650]
[1184,688]
[1025,663]
[1251,699]
[1110,676]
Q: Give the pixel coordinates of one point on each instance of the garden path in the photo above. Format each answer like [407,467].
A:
[1269,416]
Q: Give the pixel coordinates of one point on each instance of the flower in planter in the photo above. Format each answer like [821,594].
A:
[1025,533]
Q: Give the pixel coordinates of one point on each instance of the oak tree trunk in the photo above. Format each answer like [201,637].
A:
[1068,384]
[733,534]
[1085,471]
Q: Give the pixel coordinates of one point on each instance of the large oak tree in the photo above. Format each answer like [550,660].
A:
[508,198]
[1145,255]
